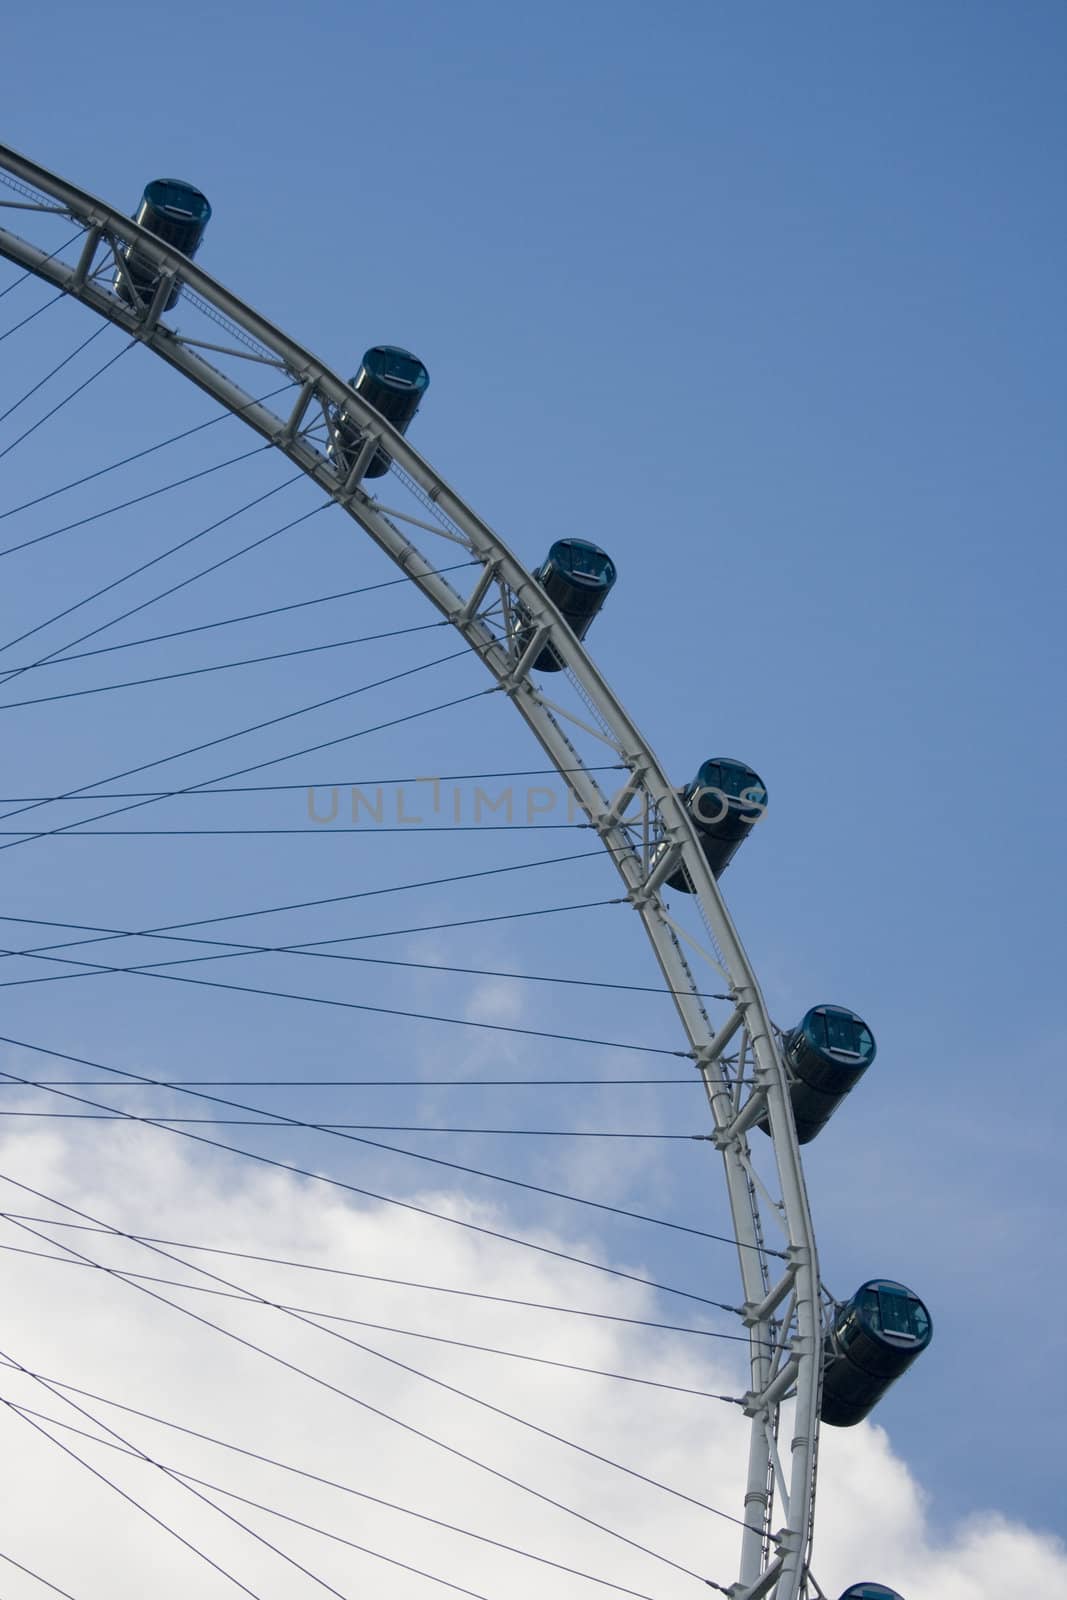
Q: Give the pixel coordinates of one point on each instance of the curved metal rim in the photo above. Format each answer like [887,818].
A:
[773,1562]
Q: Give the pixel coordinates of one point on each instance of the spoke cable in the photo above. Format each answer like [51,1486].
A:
[243,1291]
[110,935]
[398,1283]
[249,505]
[314,784]
[97,970]
[314,948]
[81,830]
[361,1127]
[180,1479]
[138,455]
[48,1584]
[348,1188]
[15,328]
[107,935]
[344,1488]
[325,1533]
[103,1478]
[238,733]
[124,505]
[33,272]
[257,766]
[247,1297]
[415,1155]
[367,1083]
[226,622]
[220,666]
[345,1394]
[73,394]
[29,393]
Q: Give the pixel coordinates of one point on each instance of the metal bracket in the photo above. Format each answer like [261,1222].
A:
[159,299]
[611,818]
[89,249]
[754,1314]
[364,457]
[296,416]
[522,667]
[762,1586]
[470,606]
[755,1404]
[666,864]
[751,1112]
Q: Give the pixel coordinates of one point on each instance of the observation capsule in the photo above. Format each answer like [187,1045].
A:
[393,381]
[726,799]
[870,1591]
[828,1053]
[874,1338]
[578,576]
[177,214]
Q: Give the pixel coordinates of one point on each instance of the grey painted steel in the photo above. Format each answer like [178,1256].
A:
[786,1347]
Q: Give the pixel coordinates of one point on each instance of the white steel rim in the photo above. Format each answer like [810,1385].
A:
[783,1316]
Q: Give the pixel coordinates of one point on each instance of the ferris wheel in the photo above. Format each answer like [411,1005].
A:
[768,1091]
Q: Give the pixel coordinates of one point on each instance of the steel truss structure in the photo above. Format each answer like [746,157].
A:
[506,619]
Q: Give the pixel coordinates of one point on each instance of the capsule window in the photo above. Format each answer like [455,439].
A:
[734,779]
[586,562]
[739,782]
[819,1030]
[173,204]
[167,194]
[402,368]
[842,1032]
[901,1315]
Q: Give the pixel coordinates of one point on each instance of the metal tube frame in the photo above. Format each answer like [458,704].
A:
[774,1560]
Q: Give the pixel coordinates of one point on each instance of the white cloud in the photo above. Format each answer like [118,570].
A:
[92,1330]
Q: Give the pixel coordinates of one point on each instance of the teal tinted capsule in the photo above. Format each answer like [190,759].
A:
[578,576]
[870,1591]
[874,1338]
[827,1055]
[393,381]
[726,799]
[177,213]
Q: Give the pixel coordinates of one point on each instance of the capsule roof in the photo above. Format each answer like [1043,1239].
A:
[893,1314]
[839,1035]
[734,778]
[390,364]
[870,1591]
[583,562]
[176,198]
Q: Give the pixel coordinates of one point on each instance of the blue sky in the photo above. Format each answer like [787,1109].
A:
[768,301]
